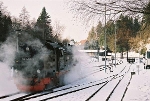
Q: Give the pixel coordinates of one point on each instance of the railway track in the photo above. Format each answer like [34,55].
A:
[8,95]
[67,90]
[115,77]
[97,94]
[38,94]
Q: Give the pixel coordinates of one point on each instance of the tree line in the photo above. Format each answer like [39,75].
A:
[127,32]
[25,29]
[130,28]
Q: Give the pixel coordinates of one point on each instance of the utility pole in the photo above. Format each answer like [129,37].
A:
[115,41]
[17,43]
[97,46]
[105,38]
[44,36]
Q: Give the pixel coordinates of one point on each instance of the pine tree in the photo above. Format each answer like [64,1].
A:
[5,24]
[136,27]
[44,23]
[92,39]
[100,34]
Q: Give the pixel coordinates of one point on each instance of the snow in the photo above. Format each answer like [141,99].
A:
[138,89]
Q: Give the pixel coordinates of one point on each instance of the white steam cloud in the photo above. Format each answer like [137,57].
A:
[78,67]
[7,56]
[7,51]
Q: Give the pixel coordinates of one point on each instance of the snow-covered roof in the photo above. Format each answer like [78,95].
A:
[88,51]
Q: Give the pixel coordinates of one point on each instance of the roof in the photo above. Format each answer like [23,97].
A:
[82,42]
[89,51]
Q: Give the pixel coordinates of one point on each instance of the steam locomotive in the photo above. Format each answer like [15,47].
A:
[37,68]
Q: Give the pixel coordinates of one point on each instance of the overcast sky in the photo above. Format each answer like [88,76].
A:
[58,11]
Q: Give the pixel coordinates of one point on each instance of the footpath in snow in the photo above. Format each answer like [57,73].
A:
[139,88]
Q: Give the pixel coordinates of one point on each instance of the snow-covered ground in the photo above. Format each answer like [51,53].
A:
[138,90]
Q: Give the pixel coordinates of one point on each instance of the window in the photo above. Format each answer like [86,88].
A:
[148,54]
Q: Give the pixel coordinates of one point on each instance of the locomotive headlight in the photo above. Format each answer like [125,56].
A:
[27,48]
[38,71]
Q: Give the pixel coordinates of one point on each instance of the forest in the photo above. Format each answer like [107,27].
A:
[25,29]
[128,32]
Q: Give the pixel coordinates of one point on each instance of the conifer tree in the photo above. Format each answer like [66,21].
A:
[44,25]
[5,25]
[100,34]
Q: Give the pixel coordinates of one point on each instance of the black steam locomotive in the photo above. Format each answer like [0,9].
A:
[40,67]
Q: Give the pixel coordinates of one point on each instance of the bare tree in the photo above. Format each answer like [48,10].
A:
[58,30]
[96,9]
[24,18]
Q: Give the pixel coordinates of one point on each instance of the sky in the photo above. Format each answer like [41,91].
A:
[58,10]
